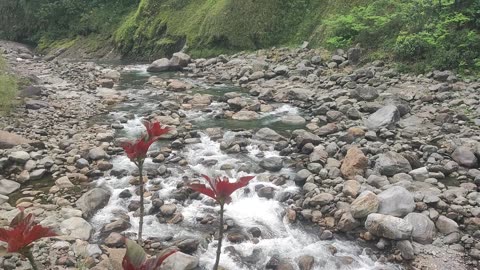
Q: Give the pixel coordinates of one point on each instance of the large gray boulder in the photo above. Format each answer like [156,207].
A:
[423,228]
[392,163]
[179,60]
[268,134]
[77,228]
[367,93]
[303,137]
[446,225]
[465,157]
[273,164]
[389,227]
[97,153]
[93,200]
[396,201]
[7,187]
[159,65]
[385,117]
[19,156]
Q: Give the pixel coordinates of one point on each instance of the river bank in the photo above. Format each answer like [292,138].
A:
[345,157]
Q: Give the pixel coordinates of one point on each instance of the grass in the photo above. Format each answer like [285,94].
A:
[8,88]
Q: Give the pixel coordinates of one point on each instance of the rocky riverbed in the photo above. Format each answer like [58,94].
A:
[357,167]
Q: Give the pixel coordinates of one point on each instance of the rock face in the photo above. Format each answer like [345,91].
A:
[465,157]
[389,227]
[7,186]
[396,201]
[385,117]
[423,228]
[392,163]
[77,228]
[92,201]
[354,163]
[367,203]
[9,140]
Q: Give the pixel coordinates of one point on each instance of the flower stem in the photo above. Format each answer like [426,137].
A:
[29,256]
[140,225]
[220,238]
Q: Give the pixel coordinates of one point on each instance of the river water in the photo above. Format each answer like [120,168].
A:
[279,237]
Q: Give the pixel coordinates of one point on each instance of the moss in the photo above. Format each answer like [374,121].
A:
[46,44]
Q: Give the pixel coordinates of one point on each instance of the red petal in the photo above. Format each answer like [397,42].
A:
[154,129]
[225,188]
[4,235]
[204,190]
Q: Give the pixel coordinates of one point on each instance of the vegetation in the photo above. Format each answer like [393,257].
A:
[8,87]
[419,34]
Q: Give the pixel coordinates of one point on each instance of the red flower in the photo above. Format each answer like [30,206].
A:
[136,259]
[22,232]
[154,129]
[138,149]
[221,188]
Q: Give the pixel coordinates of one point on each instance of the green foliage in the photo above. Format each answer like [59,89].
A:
[422,34]
[8,88]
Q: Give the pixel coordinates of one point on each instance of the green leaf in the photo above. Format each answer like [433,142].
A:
[135,253]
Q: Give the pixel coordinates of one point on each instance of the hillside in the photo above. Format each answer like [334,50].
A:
[420,35]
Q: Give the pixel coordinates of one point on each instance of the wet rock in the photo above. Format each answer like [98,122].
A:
[319,155]
[419,174]
[446,225]
[385,117]
[168,209]
[93,200]
[188,246]
[423,228]
[302,176]
[273,164]
[465,157]
[347,222]
[305,262]
[303,137]
[364,205]
[396,201]
[327,129]
[77,228]
[354,163]
[266,192]
[9,140]
[388,226]
[8,187]
[392,163]
[180,261]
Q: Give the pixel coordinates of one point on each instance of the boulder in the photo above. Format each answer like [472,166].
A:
[180,261]
[385,117]
[273,164]
[77,228]
[351,188]
[293,120]
[465,157]
[389,227]
[179,60]
[354,163]
[364,205]
[392,163]
[19,156]
[9,140]
[245,116]
[93,200]
[268,134]
[8,187]
[366,93]
[423,228]
[159,65]
[303,137]
[322,199]
[396,201]
[446,225]
[305,262]
[64,183]
[97,153]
